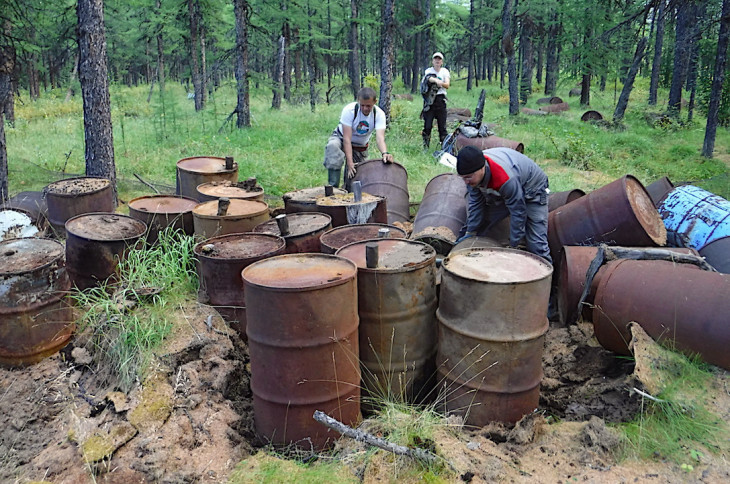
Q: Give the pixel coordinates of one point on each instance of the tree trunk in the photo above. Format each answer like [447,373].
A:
[7,67]
[194,60]
[418,47]
[386,65]
[354,49]
[160,48]
[527,58]
[719,77]
[694,57]
[551,63]
[657,61]
[74,73]
[279,74]
[428,45]
[471,69]
[585,90]
[681,54]
[243,106]
[540,61]
[98,137]
[623,99]
[310,59]
[508,49]
[286,33]
[203,66]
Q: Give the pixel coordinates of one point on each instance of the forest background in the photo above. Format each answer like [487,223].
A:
[264,81]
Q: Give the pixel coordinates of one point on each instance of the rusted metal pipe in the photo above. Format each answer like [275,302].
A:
[329,190]
[283,224]
[229,162]
[371,255]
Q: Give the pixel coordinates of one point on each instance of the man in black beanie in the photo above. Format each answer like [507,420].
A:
[503,182]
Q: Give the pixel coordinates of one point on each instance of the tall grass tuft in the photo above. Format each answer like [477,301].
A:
[123,322]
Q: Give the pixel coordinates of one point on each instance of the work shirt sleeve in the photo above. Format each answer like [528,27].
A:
[514,200]
[347,118]
[476,206]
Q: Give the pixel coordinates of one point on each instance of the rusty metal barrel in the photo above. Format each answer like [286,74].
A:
[345,210]
[302,231]
[341,236]
[210,220]
[558,199]
[717,254]
[476,242]
[302,327]
[305,200]
[620,213]
[161,211]
[388,180]
[220,262]
[694,217]
[30,202]
[226,189]
[574,264]
[591,115]
[442,212]
[659,189]
[35,320]
[675,303]
[492,322]
[396,298]
[196,170]
[489,142]
[68,198]
[96,242]
[549,100]
[556,108]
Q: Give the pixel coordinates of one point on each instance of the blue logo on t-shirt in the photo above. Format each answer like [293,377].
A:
[362,127]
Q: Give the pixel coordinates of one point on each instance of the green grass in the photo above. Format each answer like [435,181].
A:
[121,338]
[284,148]
[266,468]
[678,427]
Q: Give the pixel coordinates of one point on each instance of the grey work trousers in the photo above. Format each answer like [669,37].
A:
[334,154]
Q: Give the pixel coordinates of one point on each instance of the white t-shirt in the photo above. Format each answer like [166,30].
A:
[442,75]
[362,127]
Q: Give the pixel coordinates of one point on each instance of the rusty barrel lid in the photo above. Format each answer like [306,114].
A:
[73,187]
[309,195]
[228,189]
[18,256]
[497,265]
[300,223]
[205,164]
[394,255]
[163,204]
[239,246]
[105,227]
[300,272]
[237,208]
[347,234]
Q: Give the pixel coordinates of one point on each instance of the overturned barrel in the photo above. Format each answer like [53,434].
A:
[96,243]
[558,199]
[301,231]
[214,218]
[659,189]
[676,303]
[220,262]
[341,236]
[305,200]
[556,108]
[442,212]
[396,297]
[492,318]
[694,217]
[388,180]
[620,213]
[35,320]
[488,142]
[196,170]
[68,198]
[717,254]
[162,211]
[302,328]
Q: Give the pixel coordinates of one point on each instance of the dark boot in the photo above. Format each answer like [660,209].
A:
[426,139]
[333,177]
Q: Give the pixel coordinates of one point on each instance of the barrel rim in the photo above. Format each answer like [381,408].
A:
[338,282]
[186,170]
[341,228]
[372,160]
[61,255]
[644,222]
[409,268]
[161,195]
[272,221]
[199,245]
[444,265]
[122,239]
[198,215]
[47,192]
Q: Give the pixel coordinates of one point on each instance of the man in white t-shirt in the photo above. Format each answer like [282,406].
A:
[348,143]
[441,77]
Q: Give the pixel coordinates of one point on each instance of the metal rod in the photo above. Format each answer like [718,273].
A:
[371,255]
[329,190]
[357,190]
[229,162]
[283,224]
[223,204]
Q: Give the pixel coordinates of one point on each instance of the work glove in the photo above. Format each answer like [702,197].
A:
[351,171]
[464,237]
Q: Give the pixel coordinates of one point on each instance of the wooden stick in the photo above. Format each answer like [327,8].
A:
[417,454]
[148,184]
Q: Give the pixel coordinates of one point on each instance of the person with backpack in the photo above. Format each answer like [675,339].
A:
[436,80]
[348,143]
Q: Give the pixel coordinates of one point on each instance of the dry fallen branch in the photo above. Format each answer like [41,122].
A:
[417,454]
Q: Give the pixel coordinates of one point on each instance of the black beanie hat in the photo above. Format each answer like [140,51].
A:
[469,160]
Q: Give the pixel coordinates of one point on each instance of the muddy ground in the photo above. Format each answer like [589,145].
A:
[192,421]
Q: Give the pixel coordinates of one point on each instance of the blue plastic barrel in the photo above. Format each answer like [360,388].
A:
[694,217]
